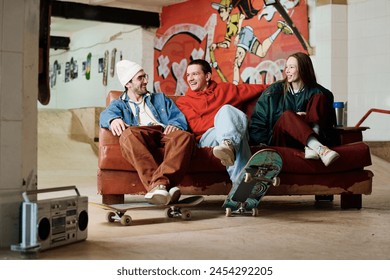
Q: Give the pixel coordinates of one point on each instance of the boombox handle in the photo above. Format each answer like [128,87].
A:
[58,189]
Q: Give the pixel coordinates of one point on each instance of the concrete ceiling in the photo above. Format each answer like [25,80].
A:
[64,27]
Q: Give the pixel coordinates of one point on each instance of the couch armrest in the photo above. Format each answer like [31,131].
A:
[106,137]
[349,134]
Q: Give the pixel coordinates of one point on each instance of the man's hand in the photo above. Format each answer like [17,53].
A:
[118,126]
[170,128]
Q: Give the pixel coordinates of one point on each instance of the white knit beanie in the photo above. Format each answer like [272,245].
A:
[126,70]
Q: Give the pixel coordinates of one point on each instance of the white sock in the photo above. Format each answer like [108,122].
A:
[273,36]
[313,144]
[316,129]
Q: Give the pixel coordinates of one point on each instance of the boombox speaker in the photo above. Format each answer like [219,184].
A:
[49,223]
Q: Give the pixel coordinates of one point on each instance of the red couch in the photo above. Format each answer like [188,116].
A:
[346,177]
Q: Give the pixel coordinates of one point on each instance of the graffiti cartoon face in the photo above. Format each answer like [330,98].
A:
[224,9]
[224,14]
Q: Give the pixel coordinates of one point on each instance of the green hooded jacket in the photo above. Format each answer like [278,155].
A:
[273,102]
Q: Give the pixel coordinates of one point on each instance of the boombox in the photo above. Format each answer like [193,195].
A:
[49,223]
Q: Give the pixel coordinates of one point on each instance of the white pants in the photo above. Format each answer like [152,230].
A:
[230,123]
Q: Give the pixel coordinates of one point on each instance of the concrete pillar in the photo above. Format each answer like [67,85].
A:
[19,33]
[331,42]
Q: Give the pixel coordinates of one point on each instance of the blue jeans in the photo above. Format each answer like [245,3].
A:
[247,37]
[230,123]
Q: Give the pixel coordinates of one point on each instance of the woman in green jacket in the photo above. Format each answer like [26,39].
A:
[296,112]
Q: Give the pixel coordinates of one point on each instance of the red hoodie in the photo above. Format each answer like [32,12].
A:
[201,107]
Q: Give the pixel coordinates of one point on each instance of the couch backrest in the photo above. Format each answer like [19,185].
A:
[247,108]
[112,95]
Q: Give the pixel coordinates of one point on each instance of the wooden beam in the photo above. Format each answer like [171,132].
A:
[104,14]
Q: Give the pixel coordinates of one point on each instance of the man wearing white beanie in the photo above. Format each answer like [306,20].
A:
[144,123]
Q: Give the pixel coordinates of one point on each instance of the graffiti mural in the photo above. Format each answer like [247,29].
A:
[244,41]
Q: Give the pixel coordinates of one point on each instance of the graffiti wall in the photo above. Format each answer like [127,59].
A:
[244,40]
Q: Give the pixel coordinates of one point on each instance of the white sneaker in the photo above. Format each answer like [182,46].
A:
[174,194]
[311,154]
[158,195]
[225,152]
[327,155]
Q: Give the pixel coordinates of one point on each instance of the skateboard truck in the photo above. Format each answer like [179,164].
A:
[241,210]
[174,212]
[125,220]
[259,176]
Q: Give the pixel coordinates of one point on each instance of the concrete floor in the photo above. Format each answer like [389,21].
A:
[287,228]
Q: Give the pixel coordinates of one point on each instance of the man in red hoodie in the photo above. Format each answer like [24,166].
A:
[214,115]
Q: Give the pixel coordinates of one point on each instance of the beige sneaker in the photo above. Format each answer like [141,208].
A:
[327,155]
[286,29]
[158,195]
[174,194]
[311,154]
[225,152]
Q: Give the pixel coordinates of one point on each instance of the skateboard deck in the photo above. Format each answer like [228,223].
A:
[117,212]
[88,67]
[73,69]
[257,176]
[112,65]
[105,67]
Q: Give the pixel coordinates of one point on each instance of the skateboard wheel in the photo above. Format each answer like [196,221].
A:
[248,177]
[110,217]
[228,212]
[255,212]
[126,220]
[169,212]
[186,215]
[276,181]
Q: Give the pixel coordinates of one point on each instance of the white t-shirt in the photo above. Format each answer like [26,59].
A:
[145,114]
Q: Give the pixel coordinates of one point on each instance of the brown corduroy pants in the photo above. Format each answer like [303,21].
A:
[142,145]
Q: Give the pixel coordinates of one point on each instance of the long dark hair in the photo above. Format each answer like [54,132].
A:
[305,70]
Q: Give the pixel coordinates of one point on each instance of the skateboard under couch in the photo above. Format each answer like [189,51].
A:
[347,177]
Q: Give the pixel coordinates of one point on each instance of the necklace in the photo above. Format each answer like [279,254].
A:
[296,91]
